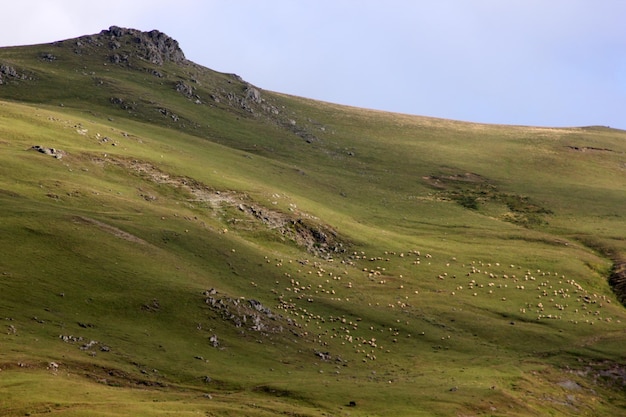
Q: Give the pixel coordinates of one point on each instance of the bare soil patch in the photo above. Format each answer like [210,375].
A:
[301,228]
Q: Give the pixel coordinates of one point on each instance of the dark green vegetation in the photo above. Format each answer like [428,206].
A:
[194,245]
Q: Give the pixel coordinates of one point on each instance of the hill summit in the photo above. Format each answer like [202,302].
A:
[154,46]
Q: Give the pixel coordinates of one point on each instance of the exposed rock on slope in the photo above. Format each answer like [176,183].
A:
[8,72]
[305,231]
[154,46]
[147,52]
[57,153]
[251,315]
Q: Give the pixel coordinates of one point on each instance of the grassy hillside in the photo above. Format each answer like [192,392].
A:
[182,242]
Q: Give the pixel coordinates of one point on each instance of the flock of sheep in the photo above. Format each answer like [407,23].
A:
[376,281]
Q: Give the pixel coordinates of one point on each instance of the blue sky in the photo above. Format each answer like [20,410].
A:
[528,62]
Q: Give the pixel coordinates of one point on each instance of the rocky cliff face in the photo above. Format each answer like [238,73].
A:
[154,46]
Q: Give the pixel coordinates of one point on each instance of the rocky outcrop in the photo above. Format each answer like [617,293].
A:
[154,46]
[317,238]
[47,56]
[8,72]
[251,315]
[251,100]
[57,153]
[185,89]
[252,94]
[119,59]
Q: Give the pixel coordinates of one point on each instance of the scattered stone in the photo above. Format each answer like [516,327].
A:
[57,153]
[89,345]
[212,291]
[253,94]
[184,88]
[48,57]
[9,71]
[152,306]
[323,355]
[118,59]
[260,307]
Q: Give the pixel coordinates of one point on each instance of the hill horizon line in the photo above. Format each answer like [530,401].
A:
[162,46]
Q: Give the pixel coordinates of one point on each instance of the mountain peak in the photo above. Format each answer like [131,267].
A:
[155,46]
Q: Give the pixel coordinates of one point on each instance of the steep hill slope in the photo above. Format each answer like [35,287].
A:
[176,240]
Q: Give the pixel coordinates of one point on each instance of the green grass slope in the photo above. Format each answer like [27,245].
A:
[184,243]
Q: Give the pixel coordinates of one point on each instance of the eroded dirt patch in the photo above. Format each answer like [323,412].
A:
[617,280]
[301,228]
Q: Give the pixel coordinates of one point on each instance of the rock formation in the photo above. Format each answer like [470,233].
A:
[8,72]
[153,46]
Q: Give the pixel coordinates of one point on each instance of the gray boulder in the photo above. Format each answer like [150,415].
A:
[253,94]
